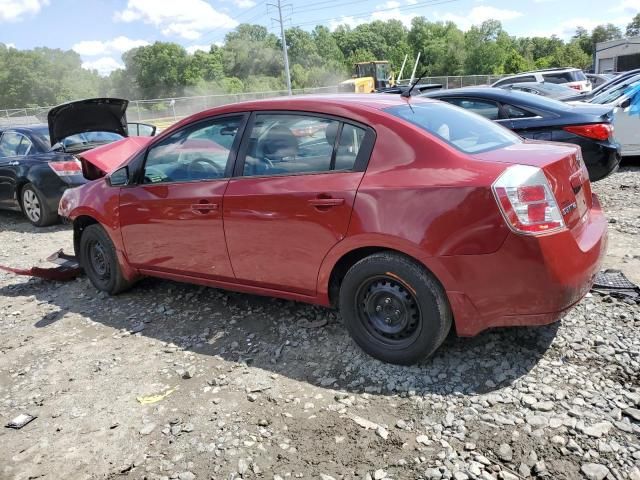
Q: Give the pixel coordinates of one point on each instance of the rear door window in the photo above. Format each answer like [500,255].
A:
[515,112]
[287,144]
[485,108]
[465,131]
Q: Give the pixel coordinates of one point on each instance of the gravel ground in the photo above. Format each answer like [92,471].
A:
[177,381]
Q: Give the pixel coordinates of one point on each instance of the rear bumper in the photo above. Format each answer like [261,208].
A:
[52,189]
[530,280]
[601,159]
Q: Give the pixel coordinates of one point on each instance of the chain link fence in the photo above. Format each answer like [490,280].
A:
[162,112]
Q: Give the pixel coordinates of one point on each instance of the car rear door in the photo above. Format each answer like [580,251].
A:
[292,196]
[171,219]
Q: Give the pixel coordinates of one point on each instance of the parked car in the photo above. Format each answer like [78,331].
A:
[598,79]
[551,90]
[625,99]
[571,77]
[540,118]
[619,78]
[409,215]
[33,174]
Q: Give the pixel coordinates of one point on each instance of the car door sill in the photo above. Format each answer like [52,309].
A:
[233,286]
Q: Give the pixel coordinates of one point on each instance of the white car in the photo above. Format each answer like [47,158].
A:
[571,77]
[624,98]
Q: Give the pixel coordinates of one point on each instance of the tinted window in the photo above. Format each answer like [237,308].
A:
[9,144]
[289,144]
[615,93]
[486,108]
[460,128]
[564,77]
[193,154]
[509,81]
[515,112]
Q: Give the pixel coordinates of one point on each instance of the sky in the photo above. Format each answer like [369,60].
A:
[101,30]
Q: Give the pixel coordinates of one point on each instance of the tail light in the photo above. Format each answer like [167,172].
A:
[526,201]
[66,168]
[595,131]
[576,87]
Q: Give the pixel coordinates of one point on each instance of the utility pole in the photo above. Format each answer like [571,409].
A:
[283,38]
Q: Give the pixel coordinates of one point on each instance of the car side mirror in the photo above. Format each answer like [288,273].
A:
[141,129]
[119,178]
[626,103]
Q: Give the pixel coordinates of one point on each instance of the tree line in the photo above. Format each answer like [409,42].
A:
[250,60]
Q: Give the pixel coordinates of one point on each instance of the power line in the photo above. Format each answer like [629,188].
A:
[370,13]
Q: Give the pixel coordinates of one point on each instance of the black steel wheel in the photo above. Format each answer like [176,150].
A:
[389,311]
[100,262]
[394,308]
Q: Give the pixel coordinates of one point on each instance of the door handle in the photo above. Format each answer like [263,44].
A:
[326,202]
[204,207]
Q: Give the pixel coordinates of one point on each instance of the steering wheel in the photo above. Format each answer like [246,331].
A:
[209,165]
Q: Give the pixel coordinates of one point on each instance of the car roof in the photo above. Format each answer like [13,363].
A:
[26,128]
[331,104]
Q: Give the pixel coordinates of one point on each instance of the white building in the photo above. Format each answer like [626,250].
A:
[617,55]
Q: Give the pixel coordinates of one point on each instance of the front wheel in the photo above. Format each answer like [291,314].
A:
[100,262]
[394,309]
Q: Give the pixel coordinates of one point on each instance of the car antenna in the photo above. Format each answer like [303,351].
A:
[407,93]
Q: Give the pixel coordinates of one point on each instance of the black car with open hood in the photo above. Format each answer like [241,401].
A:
[38,163]
[91,115]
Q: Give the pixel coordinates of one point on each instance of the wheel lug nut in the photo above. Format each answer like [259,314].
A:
[387,300]
[379,308]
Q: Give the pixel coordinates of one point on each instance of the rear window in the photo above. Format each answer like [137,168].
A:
[565,77]
[466,131]
[509,81]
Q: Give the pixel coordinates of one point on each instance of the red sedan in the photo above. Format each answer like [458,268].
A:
[409,215]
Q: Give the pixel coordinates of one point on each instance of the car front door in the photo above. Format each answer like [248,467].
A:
[171,219]
[292,197]
[13,146]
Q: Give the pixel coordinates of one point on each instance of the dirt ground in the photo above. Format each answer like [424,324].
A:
[177,381]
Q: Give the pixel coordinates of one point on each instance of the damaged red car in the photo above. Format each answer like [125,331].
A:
[411,216]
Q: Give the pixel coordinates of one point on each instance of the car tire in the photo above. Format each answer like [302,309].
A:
[33,207]
[394,309]
[100,262]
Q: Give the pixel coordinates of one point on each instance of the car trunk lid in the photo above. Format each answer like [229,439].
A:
[564,168]
[91,115]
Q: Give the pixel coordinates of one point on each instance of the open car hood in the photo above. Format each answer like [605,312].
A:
[100,161]
[91,115]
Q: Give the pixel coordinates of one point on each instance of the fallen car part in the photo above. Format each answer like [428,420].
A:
[20,421]
[151,399]
[613,282]
[68,268]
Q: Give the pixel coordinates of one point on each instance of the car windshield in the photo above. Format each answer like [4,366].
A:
[87,139]
[466,131]
[43,132]
[615,93]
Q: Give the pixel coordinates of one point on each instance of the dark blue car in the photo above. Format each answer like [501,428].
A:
[38,163]
[540,118]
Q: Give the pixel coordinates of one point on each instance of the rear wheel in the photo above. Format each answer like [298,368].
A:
[100,261]
[35,209]
[394,308]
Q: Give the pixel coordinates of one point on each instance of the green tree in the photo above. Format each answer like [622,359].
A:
[633,28]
